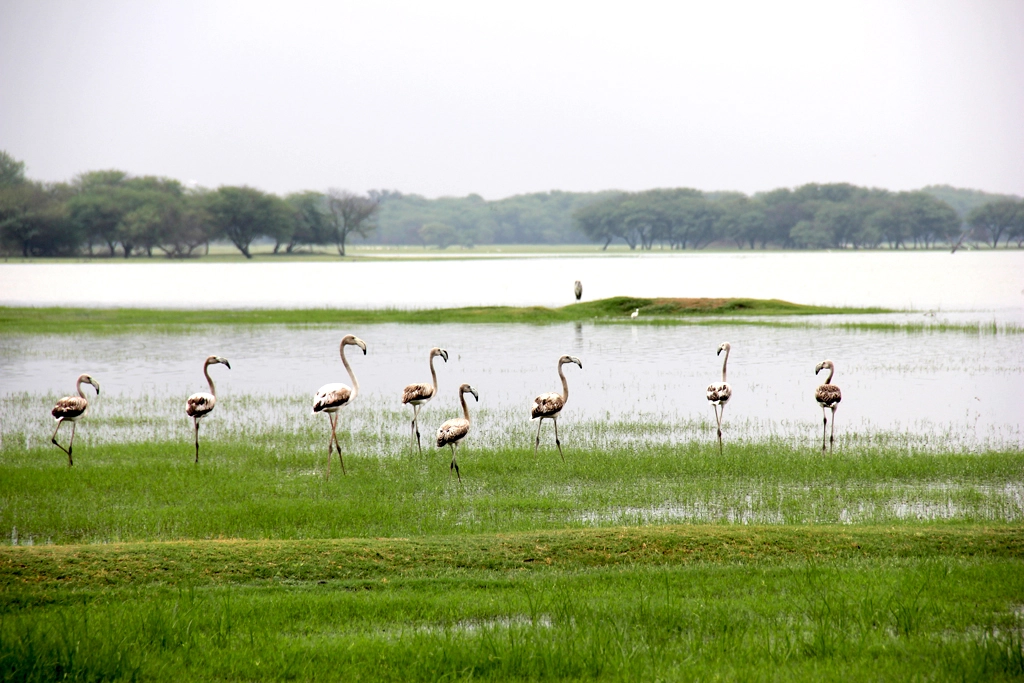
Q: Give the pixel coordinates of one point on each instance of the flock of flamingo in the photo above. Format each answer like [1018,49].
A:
[331,398]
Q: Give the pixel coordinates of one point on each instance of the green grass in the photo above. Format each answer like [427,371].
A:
[253,565]
[671,603]
[73,320]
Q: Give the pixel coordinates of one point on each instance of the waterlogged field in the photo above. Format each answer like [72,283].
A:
[645,555]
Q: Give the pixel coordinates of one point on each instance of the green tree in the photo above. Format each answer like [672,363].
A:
[12,171]
[350,214]
[34,220]
[311,221]
[440,234]
[244,213]
[993,220]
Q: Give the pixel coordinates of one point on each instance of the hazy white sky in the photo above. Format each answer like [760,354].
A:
[500,98]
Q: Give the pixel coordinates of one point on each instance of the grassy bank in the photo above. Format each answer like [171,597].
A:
[65,320]
[668,603]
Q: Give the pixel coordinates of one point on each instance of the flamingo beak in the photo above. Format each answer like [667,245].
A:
[444,355]
[225,362]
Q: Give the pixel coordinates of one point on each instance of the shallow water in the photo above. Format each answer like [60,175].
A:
[943,389]
[975,280]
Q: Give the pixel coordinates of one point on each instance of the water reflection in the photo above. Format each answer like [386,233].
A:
[968,388]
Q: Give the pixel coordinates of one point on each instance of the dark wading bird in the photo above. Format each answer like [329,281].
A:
[333,397]
[828,396]
[69,409]
[550,405]
[198,406]
[719,393]
[454,431]
[577,288]
[420,394]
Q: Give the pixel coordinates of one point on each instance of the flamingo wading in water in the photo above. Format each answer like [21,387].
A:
[198,406]
[333,397]
[828,396]
[420,394]
[453,431]
[69,409]
[719,393]
[550,405]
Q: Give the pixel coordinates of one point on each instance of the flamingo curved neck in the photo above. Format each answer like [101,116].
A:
[351,375]
[465,408]
[565,384]
[831,371]
[79,387]
[724,361]
[433,374]
[209,380]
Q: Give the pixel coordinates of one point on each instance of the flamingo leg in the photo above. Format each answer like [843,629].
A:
[416,426]
[53,439]
[557,442]
[337,446]
[536,445]
[454,464]
[718,419]
[824,426]
[71,444]
[195,421]
[330,444]
[832,434]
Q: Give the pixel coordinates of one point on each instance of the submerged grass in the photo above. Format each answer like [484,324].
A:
[274,486]
[72,320]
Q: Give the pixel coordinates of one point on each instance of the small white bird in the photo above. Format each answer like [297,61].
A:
[577,289]
[69,409]
[635,313]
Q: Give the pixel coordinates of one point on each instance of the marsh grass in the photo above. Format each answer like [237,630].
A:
[120,320]
[274,485]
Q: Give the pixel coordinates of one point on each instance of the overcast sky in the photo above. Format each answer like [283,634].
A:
[501,98]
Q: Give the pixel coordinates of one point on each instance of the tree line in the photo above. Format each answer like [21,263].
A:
[837,216]
[111,213]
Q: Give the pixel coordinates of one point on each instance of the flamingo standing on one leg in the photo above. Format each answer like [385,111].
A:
[333,397]
[719,393]
[420,394]
[69,409]
[550,405]
[828,396]
[455,430]
[198,406]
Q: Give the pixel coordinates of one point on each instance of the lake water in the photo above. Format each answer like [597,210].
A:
[966,281]
[930,389]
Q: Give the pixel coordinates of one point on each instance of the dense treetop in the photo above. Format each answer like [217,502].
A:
[115,214]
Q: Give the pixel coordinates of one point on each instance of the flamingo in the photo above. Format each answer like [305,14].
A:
[453,431]
[420,394]
[577,289]
[550,405]
[69,409]
[198,406]
[719,393]
[828,396]
[333,397]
